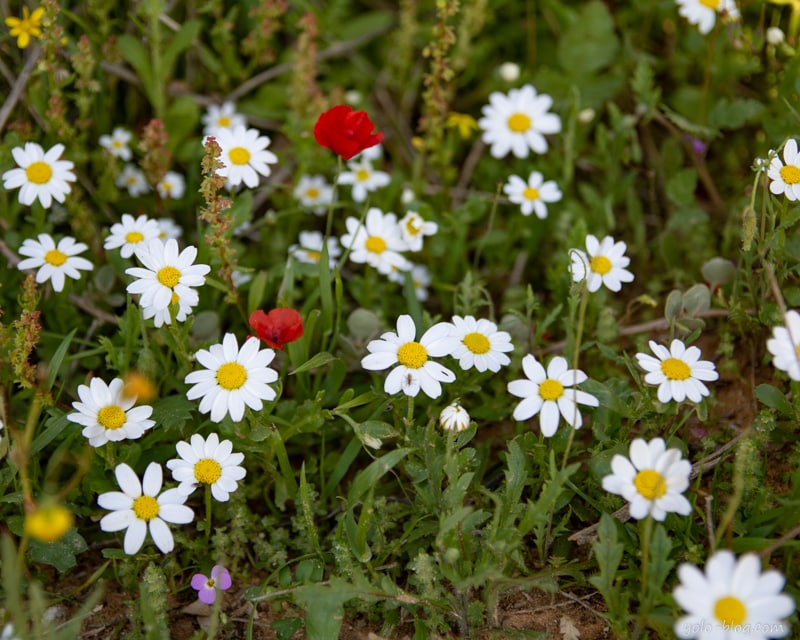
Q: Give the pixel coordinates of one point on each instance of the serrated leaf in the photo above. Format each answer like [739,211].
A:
[643,85]
[61,553]
[590,43]
[660,564]
[608,552]
[172,412]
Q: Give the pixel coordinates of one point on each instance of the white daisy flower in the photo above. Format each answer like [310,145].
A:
[363,178]
[172,185]
[222,116]
[604,265]
[653,480]
[314,193]
[132,178]
[373,153]
[41,175]
[416,370]
[54,262]
[179,306]
[516,122]
[677,371]
[548,393]
[480,344]
[732,600]
[533,194]
[117,143]
[232,378]
[377,243]
[139,508]
[207,462]
[168,229]
[454,417]
[784,345]
[785,178]
[703,13]
[421,278]
[107,414]
[132,235]
[245,155]
[168,276]
[309,248]
[414,228]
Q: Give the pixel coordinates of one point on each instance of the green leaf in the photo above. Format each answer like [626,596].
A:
[181,119]
[774,399]
[660,563]
[134,53]
[286,628]
[369,477]
[172,412]
[308,511]
[255,294]
[643,85]
[324,607]
[61,553]
[590,43]
[180,41]
[608,552]
[319,360]
[735,113]
[681,186]
[58,357]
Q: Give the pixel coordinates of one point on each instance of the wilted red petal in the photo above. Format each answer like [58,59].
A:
[279,326]
[346,132]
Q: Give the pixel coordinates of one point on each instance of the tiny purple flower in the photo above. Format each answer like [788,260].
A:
[206,587]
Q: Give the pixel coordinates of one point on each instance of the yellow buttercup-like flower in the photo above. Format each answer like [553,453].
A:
[49,523]
[29,25]
[465,124]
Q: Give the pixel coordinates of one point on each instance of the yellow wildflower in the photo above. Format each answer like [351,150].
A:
[139,387]
[29,25]
[49,523]
[464,123]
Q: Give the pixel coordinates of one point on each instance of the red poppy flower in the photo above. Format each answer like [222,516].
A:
[279,326]
[346,132]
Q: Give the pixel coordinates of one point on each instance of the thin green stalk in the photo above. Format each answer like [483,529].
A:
[646,527]
[155,56]
[575,359]
[348,249]
[208,514]
[331,205]
[485,235]
[410,411]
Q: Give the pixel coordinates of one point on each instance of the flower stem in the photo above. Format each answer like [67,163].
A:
[332,203]
[575,358]
[208,514]
[485,235]
[410,412]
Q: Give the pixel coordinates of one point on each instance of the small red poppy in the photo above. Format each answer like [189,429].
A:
[279,326]
[346,132]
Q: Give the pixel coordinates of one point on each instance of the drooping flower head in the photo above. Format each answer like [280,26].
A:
[54,262]
[603,263]
[416,370]
[278,327]
[345,131]
[652,480]
[549,393]
[454,417]
[141,507]
[732,600]
[232,378]
[677,371]
[414,228]
[40,174]
[517,122]
[784,345]
[703,13]
[30,25]
[207,587]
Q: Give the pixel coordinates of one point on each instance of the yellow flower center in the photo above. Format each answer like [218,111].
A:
[711,4]
[314,255]
[145,508]
[531,193]
[312,193]
[413,227]
[174,298]
[239,155]
[519,123]
[551,389]
[362,175]
[207,471]
[730,611]
[375,244]
[600,264]
[210,583]
[133,237]
[675,369]
[412,354]
[477,342]
[224,122]
[39,172]
[231,375]
[50,523]
[116,144]
[168,276]
[55,257]
[111,417]
[650,484]
[790,174]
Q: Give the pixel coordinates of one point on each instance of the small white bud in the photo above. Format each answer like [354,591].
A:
[454,418]
[775,36]
[509,71]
